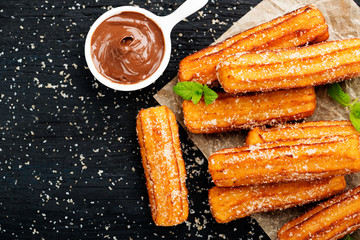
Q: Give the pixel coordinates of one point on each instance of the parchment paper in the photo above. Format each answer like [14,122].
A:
[343,18]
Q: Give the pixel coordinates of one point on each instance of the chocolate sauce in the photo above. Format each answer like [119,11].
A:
[127,48]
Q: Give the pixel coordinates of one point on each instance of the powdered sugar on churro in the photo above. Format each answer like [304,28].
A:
[289,160]
[269,70]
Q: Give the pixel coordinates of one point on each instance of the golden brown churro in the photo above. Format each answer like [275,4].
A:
[312,65]
[163,164]
[300,131]
[332,219]
[303,26]
[228,204]
[282,161]
[243,112]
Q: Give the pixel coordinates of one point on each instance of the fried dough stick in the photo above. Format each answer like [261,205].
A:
[303,26]
[303,130]
[163,164]
[228,204]
[229,112]
[283,161]
[332,219]
[312,65]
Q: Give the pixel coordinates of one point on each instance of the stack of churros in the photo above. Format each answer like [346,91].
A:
[286,53]
[291,165]
[274,67]
[300,27]
[334,218]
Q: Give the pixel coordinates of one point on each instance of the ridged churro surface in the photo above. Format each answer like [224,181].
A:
[229,112]
[312,65]
[282,161]
[228,204]
[332,219]
[312,129]
[300,27]
[163,164]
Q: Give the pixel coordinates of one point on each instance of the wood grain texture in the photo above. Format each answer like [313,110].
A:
[70,163]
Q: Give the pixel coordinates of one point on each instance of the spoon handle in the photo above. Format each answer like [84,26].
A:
[185,10]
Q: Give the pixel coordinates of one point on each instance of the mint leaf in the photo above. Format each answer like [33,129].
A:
[355,109]
[336,93]
[194,91]
[347,237]
[355,121]
[187,90]
[198,91]
[209,95]
[196,97]
[355,116]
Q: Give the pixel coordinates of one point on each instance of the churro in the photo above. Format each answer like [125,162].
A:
[283,161]
[312,65]
[228,204]
[312,129]
[229,112]
[332,219]
[163,164]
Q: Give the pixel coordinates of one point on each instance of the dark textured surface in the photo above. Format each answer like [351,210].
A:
[70,165]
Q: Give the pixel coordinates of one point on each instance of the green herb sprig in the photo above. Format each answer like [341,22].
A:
[347,237]
[194,91]
[336,93]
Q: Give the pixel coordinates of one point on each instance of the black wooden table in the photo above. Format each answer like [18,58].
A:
[70,166]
